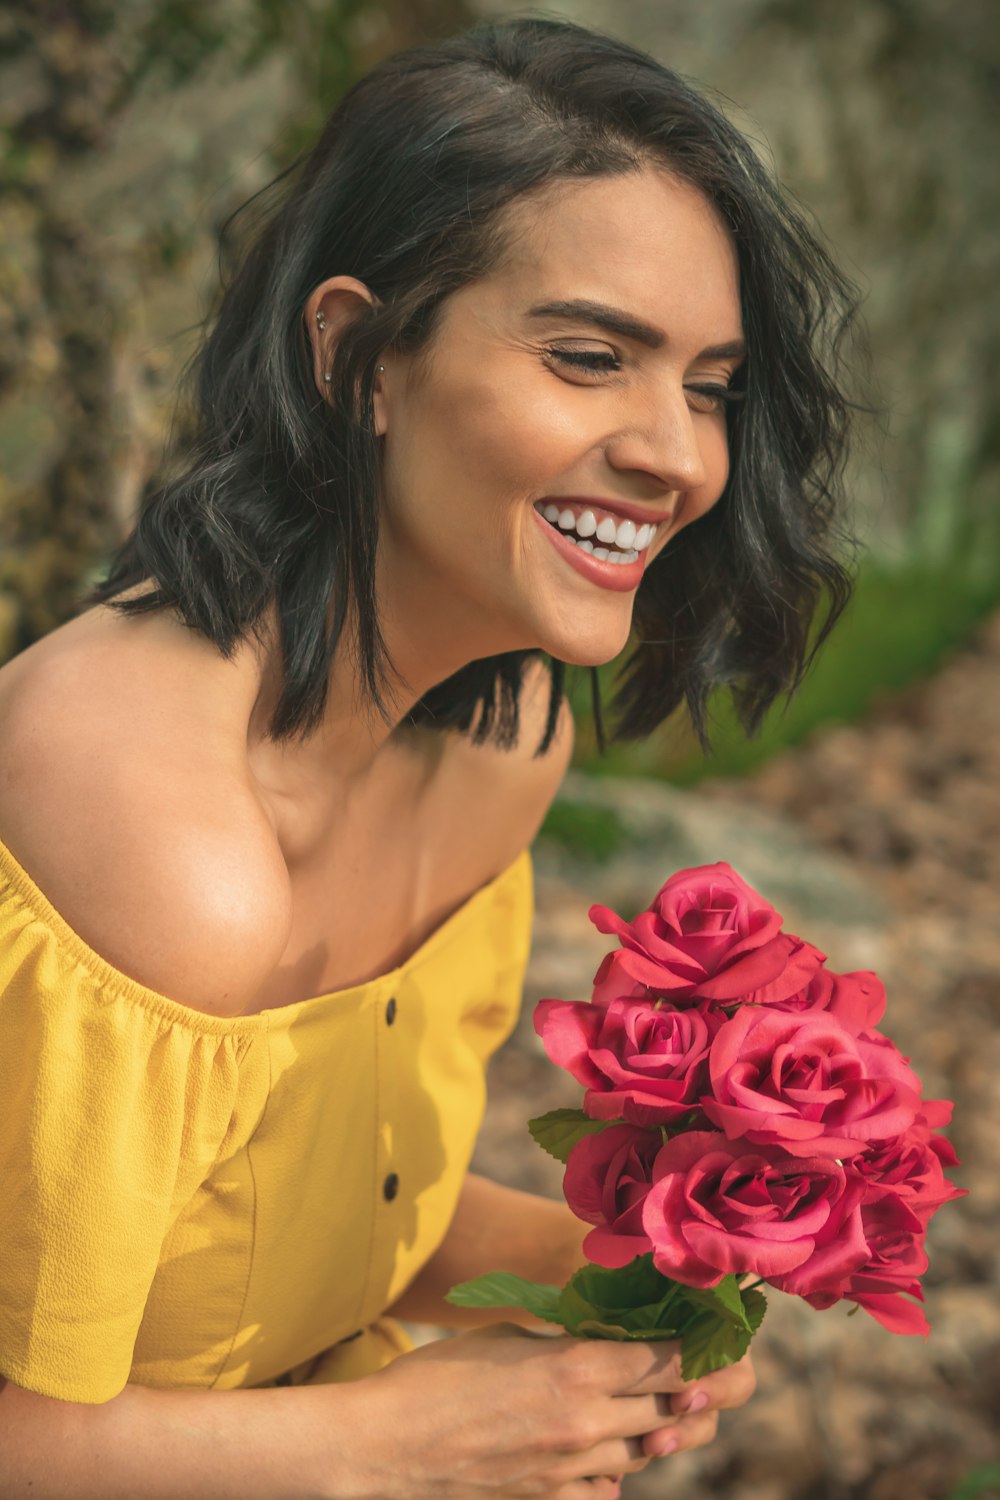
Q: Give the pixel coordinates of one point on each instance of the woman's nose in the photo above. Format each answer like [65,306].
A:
[664,442]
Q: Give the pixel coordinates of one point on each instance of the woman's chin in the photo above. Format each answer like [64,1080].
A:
[592,653]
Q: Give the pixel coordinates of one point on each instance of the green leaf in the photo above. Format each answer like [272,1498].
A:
[710,1343]
[724,1299]
[755,1305]
[559,1130]
[590,1328]
[573,1310]
[636,1285]
[504,1289]
[712,1340]
[637,1300]
[633,1302]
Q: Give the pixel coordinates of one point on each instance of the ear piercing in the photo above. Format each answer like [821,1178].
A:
[321,324]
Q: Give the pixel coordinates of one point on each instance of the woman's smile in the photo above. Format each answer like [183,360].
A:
[600,528]
[607,565]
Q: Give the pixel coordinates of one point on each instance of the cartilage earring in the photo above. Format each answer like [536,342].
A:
[321,319]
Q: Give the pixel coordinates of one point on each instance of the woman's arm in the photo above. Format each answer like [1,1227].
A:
[184,1445]
[494,1229]
[495,1414]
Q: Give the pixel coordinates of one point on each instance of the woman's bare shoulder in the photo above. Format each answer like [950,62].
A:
[115,802]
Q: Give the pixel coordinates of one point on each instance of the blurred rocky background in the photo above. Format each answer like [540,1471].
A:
[868,812]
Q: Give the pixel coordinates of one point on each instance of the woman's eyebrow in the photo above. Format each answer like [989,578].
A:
[613,320]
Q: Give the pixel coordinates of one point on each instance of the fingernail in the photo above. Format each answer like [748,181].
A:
[668,1443]
[698,1402]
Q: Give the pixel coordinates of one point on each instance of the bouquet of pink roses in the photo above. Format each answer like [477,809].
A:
[744,1122]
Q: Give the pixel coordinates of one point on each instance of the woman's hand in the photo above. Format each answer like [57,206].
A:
[695,1409]
[516,1416]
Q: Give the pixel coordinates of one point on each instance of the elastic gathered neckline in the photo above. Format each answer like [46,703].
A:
[37,904]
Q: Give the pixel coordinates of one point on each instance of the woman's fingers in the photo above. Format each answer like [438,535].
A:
[617,1456]
[687,1432]
[605,1488]
[722,1389]
[677,1420]
[643,1369]
[634,1416]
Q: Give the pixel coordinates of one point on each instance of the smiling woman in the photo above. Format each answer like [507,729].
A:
[529,357]
[516,143]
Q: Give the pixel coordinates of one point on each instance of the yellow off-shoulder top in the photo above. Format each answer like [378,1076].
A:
[217,1203]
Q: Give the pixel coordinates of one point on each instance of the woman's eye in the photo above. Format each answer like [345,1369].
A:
[591,361]
[712,398]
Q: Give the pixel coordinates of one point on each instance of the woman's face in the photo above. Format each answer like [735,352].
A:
[526,401]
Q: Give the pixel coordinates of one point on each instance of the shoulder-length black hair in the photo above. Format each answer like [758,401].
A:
[276,495]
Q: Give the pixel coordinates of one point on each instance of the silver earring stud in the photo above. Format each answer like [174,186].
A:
[327,376]
[380,370]
[321,319]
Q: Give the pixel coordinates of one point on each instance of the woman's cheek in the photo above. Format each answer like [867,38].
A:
[716,460]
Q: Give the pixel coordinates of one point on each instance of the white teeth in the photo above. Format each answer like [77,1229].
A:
[629,538]
[586,545]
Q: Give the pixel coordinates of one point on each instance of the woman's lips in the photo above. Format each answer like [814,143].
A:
[621,578]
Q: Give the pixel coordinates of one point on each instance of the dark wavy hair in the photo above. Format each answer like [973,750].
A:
[274,495]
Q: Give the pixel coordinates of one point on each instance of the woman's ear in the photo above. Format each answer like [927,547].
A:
[330,308]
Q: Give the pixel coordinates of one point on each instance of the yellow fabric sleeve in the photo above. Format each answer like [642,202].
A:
[110,1115]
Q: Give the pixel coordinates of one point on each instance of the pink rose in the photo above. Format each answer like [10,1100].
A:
[936,1114]
[613,982]
[719,1206]
[910,1167]
[706,935]
[607,1178]
[896,1261]
[857,999]
[804,1083]
[644,1063]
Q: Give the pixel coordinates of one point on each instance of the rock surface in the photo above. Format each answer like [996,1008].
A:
[881,843]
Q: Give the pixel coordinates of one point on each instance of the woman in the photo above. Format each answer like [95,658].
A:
[530,356]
